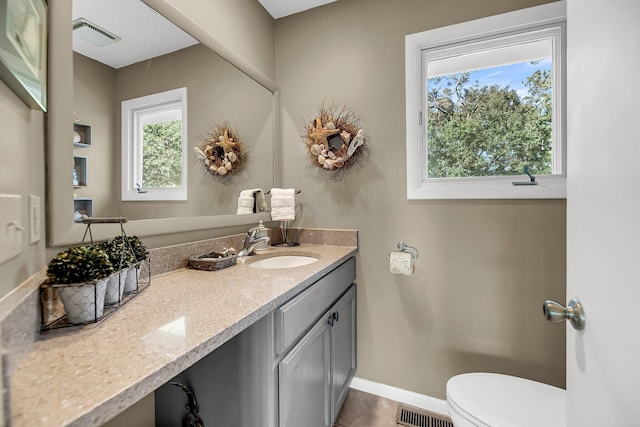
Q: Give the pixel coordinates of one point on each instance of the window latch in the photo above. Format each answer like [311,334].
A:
[139,188]
[532,179]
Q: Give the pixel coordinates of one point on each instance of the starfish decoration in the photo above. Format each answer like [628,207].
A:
[226,144]
[319,135]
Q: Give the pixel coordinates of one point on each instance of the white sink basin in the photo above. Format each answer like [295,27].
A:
[282,261]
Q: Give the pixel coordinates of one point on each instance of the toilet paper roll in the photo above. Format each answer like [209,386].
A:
[401,263]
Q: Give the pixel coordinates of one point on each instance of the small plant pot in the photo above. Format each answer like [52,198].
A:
[131,280]
[84,302]
[115,287]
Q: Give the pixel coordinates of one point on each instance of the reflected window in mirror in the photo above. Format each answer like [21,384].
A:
[154,147]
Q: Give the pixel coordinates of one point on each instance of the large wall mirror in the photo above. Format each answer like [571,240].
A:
[104,76]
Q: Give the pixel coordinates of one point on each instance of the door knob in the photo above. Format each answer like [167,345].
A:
[555,312]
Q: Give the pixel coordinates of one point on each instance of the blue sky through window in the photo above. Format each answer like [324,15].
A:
[512,75]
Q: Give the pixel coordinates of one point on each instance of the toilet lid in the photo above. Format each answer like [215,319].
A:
[506,401]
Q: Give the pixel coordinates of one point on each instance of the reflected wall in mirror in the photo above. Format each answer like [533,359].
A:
[216,91]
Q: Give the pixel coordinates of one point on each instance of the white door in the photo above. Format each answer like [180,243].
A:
[603,211]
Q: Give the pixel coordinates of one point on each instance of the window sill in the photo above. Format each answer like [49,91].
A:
[155,194]
[553,187]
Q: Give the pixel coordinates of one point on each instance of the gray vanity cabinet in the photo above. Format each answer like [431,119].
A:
[304,389]
[343,349]
[315,374]
[292,368]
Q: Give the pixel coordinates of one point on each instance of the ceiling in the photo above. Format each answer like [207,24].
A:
[144,33]
[282,8]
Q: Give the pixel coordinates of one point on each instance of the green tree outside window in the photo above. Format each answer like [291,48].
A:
[488,130]
[162,154]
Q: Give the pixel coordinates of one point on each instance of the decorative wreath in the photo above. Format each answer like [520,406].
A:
[334,139]
[221,151]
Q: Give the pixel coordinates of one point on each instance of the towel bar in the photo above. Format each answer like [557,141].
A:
[297,192]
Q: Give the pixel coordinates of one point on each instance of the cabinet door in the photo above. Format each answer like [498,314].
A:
[343,348]
[303,374]
[301,312]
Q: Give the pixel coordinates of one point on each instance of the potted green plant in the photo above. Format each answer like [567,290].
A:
[121,257]
[81,273]
[140,251]
[140,254]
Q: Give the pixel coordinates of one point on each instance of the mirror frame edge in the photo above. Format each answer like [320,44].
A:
[61,229]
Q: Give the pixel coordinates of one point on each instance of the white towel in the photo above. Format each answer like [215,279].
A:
[245,205]
[251,201]
[283,204]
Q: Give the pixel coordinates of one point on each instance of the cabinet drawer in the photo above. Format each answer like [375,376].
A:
[296,316]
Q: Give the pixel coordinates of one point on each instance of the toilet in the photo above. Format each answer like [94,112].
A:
[496,400]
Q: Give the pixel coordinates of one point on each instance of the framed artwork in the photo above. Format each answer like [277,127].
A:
[23,50]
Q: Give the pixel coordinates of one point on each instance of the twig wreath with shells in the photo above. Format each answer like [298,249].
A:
[221,152]
[334,139]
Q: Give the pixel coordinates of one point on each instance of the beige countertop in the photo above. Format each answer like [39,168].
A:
[85,376]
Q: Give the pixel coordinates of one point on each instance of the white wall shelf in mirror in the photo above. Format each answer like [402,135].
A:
[81,135]
[82,208]
[79,171]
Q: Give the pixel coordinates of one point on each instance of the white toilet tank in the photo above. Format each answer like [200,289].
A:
[496,400]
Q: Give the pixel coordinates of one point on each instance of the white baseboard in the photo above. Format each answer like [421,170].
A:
[410,398]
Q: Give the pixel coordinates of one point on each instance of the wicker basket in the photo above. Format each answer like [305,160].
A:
[212,261]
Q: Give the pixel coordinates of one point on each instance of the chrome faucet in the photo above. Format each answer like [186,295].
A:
[250,242]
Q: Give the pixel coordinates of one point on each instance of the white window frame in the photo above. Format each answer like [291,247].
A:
[418,185]
[132,146]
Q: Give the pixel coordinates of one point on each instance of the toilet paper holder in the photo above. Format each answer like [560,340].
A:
[403,247]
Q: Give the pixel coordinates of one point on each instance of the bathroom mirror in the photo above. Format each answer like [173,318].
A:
[219,89]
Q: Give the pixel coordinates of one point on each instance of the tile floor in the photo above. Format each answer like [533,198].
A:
[362,409]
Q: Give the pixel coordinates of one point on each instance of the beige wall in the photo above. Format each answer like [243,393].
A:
[238,29]
[94,104]
[22,172]
[485,267]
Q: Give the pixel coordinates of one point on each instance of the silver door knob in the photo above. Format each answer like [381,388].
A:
[555,312]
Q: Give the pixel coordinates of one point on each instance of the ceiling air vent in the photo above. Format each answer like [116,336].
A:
[414,417]
[92,33]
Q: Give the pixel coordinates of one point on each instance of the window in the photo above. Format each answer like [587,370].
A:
[154,147]
[485,107]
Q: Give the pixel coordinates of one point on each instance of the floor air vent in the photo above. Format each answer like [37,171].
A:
[413,417]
